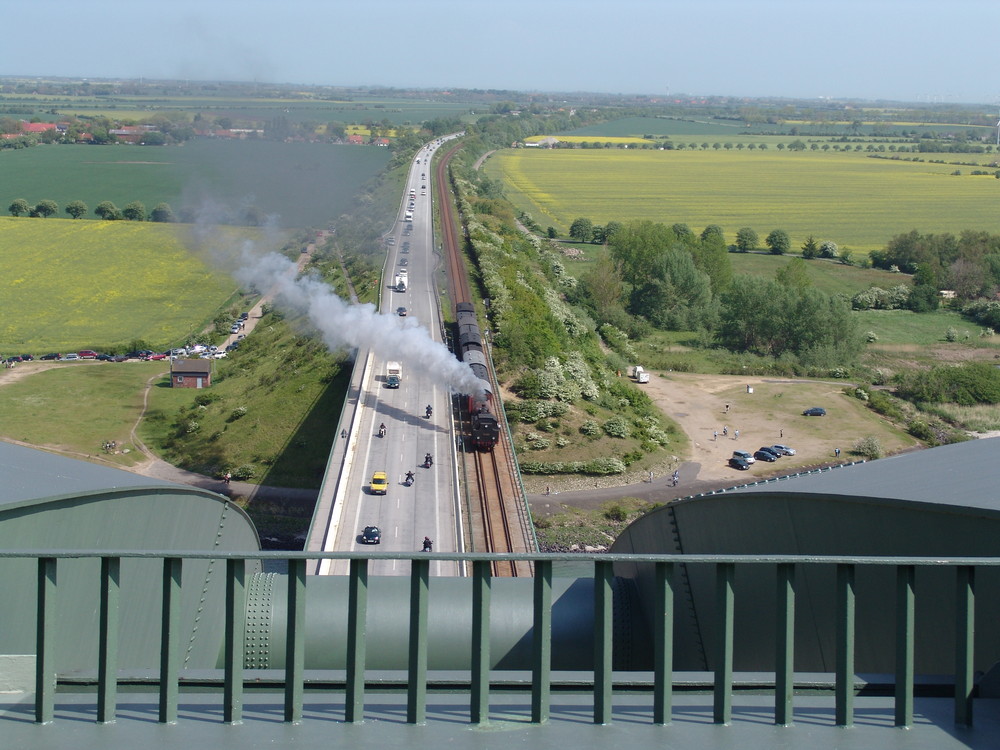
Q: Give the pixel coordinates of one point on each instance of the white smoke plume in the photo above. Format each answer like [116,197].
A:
[344,325]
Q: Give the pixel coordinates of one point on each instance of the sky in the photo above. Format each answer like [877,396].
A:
[902,50]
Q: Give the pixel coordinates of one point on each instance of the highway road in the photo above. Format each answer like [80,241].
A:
[429,507]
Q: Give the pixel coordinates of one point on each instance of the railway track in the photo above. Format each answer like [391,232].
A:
[496,525]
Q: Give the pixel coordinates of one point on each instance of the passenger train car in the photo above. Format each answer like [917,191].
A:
[485,429]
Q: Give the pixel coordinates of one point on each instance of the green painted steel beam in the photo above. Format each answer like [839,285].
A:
[479,699]
[965,631]
[603,643]
[295,645]
[844,687]
[663,643]
[235,637]
[541,670]
[357,640]
[45,670]
[416,688]
[725,574]
[784,668]
[905,609]
[107,665]
[170,616]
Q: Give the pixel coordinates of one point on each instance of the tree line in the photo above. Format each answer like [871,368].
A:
[106,210]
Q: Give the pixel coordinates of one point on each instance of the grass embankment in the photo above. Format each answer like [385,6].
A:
[268,418]
[851,199]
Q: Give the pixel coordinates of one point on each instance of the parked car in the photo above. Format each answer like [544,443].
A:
[71,355]
[769,449]
[26,358]
[87,354]
[104,357]
[745,455]
[244,315]
[765,456]
[51,356]
[233,346]
[783,450]
[371,535]
[380,483]
[815,411]
[739,463]
[164,355]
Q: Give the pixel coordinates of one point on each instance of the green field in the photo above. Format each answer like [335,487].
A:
[69,285]
[853,200]
[300,184]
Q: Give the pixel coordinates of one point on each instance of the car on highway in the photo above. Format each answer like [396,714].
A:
[745,455]
[401,312]
[380,483]
[739,463]
[783,450]
[371,535]
[815,411]
[765,456]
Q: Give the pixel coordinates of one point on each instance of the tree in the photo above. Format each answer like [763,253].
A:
[828,249]
[794,275]
[582,230]
[134,211]
[611,229]
[778,242]
[108,211]
[597,235]
[19,207]
[746,240]
[162,213]
[810,249]
[45,208]
[77,209]
[604,286]
[551,233]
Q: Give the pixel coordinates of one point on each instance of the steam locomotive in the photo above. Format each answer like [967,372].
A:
[485,430]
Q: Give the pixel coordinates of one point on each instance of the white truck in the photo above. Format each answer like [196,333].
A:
[393,374]
[641,376]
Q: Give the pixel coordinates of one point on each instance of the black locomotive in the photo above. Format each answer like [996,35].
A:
[485,430]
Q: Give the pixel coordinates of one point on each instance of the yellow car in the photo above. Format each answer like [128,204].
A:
[379,483]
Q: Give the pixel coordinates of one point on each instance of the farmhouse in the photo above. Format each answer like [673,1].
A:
[191,373]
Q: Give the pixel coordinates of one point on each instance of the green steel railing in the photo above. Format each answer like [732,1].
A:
[479,685]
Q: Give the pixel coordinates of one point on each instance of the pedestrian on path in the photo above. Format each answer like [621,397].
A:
[715,435]
[781,433]
[725,430]
[736,435]
[676,477]
[727,408]
[836,452]
[650,477]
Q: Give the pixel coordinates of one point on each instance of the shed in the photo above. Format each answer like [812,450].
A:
[191,373]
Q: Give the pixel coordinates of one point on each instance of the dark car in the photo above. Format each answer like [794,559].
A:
[104,358]
[739,463]
[765,456]
[371,535]
[51,356]
[815,411]
[770,449]
[26,358]
[13,360]
[401,312]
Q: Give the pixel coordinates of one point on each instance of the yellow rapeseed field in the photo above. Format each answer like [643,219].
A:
[72,284]
[852,199]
